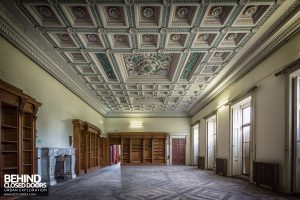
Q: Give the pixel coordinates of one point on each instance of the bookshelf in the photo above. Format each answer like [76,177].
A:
[9,139]
[148,150]
[27,147]
[141,148]
[136,150]
[158,150]
[17,132]
[90,147]
[126,150]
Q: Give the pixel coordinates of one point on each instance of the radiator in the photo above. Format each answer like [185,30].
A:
[266,174]
[201,162]
[221,166]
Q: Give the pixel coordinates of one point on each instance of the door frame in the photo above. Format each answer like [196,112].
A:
[186,146]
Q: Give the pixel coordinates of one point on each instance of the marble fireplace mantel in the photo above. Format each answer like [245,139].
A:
[47,162]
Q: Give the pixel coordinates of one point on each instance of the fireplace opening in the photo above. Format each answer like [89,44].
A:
[61,167]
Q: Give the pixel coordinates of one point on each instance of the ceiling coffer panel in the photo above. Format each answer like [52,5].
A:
[146,56]
[190,67]
[106,66]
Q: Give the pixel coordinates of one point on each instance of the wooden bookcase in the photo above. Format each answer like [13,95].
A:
[18,131]
[136,150]
[90,147]
[125,146]
[158,150]
[141,148]
[148,150]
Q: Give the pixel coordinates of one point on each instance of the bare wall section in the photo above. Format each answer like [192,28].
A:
[173,126]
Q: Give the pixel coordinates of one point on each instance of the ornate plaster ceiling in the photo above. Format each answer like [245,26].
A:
[142,56]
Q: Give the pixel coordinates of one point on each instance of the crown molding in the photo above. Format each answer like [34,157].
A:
[271,40]
[147,115]
[11,32]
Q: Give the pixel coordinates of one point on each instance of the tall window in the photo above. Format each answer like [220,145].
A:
[211,141]
[241,137]
[246,139]
[296,135]
[196,143]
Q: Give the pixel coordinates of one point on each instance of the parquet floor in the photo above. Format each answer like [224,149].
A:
[158,182]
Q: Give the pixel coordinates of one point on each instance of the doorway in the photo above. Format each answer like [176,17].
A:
[241,137]
[178,151]
[115,154]
[211,133]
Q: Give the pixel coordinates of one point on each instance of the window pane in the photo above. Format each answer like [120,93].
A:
[246,115]
[246,134]
[196,143]
[246,166]
[246,150]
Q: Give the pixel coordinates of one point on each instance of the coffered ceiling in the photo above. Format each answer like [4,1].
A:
[140,56]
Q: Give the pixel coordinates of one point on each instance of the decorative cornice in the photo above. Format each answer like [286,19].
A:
[26,46]
[147,114]
[264,47]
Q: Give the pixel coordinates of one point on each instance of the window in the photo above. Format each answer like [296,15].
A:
[241,137]
[246,140]
[196,143]
[296,135]
[211,141]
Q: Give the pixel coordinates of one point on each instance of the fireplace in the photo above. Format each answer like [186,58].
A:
[61,166]
[56,164]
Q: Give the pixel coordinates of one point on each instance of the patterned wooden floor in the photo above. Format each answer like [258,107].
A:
[157,182]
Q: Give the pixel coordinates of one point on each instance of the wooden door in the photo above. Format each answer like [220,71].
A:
[178,151]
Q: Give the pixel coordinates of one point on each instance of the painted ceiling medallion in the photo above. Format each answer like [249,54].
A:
[148,12]
[64,37]
[216,12]
[45,11]
[148,64]
[92,37]
[232,36]
[148,38]
[251,10]
[114,12]
[79,12]
[204,36]
[218,54]
[120,38]
[175,37]
[182,12]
